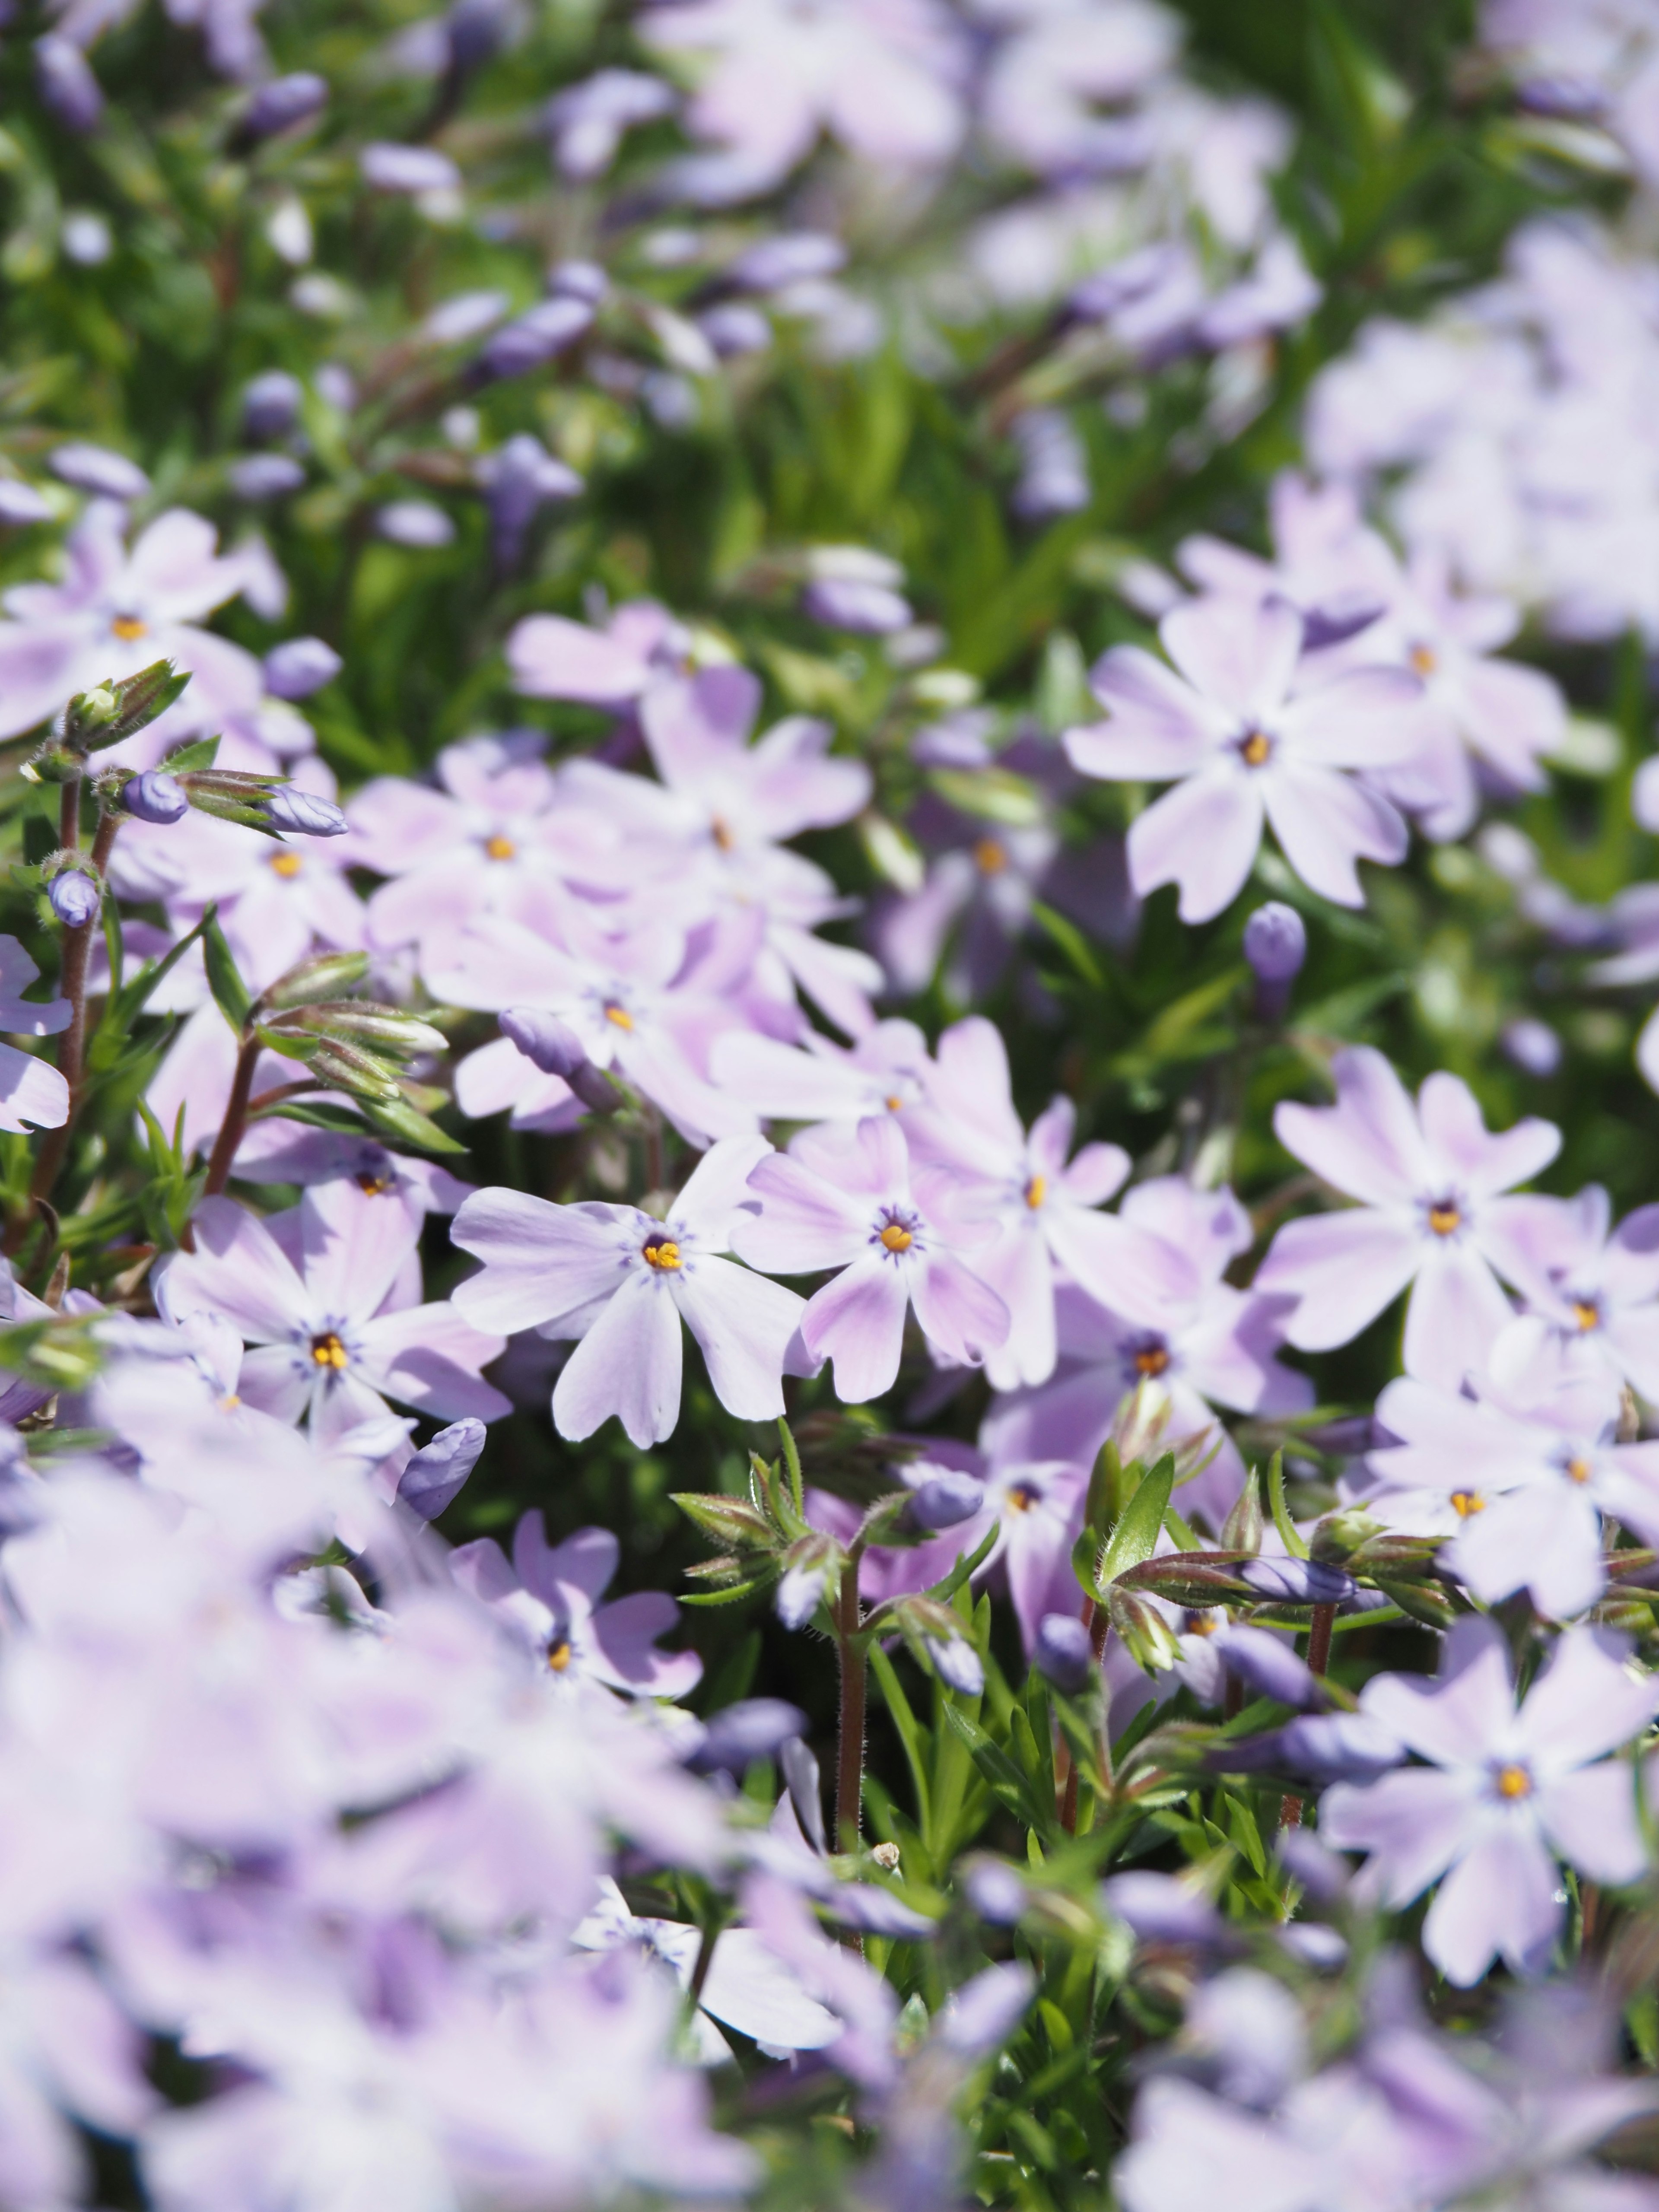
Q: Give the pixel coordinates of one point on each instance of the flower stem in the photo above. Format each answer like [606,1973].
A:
[233,1126]
[849,1759]
[1320,1631]
[72,986]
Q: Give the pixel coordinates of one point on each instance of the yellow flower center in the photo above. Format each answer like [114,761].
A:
[989,858]
[558,1655]
[1019,1499]
[373,1185]
[896,1239]
[722,835]
[1586,1314]
[130,628]
[1425,659]
[1256,750]
[229,1402]
[1035,1191]
[286,864]
[499,849]
[1152,1361]
[893,1102]
[1579,1470]
[328,1351]
[1513,1782]
[621,1016]
[1465,1502]
[665,1253]
[1443,1219]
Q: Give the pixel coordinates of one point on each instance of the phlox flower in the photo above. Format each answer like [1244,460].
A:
[884,1073]
[1178,1334]
[1592,1292]
[622,1282]
[117,610]
[1037,1509]
[1251,734]
[1432,1180]
[641,647]
[851,1205]
[1518,1475]
[550,1595]
[1503,1792]
[328,1296]
[33,1095]
[1045,1211]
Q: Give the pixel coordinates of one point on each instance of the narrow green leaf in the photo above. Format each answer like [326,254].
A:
[1135,1537]
[909,1733]
[230,993]
[1293,1543]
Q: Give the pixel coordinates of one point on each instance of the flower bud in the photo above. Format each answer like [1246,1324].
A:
[75,898]
[283,102]
[95,469]
[799,1592]
[271,405]
[532,339]
[554,1047]
[330,975]
[736,1735]
[436,1475]
[1266,1667]
[338,1062]
[849,603]
[21,504]
[1297,1581]
[948,1495]
[299,666]
[67,87]
[995,1890]
[958,1663]
[265,476]
[115,709]
[388,1029]
[1063,1652]
[156,797]
[1275,945]
[302,813]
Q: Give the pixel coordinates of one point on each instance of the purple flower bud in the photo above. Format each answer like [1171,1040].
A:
[578,280]
[945,1498]
[415,522]
[799,1592]
[436,1475]
[1339,1747]
[302,813]
[283,102]
[1063,1652]
[791,258]
[534,338]
[1532,1046]
[270,404]
[1266,1666]
[980,2017]
[154,797]
[1297,1581]
[519,478]
[265,476]
[1054,478]
[554,1047]
[95,469]
[849,603]
[735,329]
[1162,1909]
[20,503]
[995,1891]
[1275,945]
[75,898]
[475,31]
[299,666]
[877,1912]
[958,1663]
[67,87]
[389,167]
[736,1735]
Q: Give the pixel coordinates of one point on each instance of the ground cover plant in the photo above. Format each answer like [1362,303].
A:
[830,1338]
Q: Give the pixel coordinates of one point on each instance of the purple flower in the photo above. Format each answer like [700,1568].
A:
[852,1206]
[735,1737]
[436,1475]
[586,120]
[641,647]
[32,1094]
[284,101]
[388,168]
[946,1497]
[550,1595]
[303,813]
[882,1073]
[1430,1181]
[853,602]
[1504,1793]
[519,478]
[63,78]
[299,666]
[415,523]
[1592,1298]
[328,1296]
[74,897]
[271,405]
[265,476]
[1253,734]
[21,504]
[622,1283]
[1063,1652]
[95,469]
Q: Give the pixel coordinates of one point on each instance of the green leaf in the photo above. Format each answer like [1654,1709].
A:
[202,754]
[945,1590]
[999,1770]
[732,1596]
[1070,941]
[1141,1523]
[909,1733]
[230,993]
[1287,1534]
[405,1124]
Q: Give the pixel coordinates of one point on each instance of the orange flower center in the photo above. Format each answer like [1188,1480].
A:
[499,849]
[989,858]
[1035,1191]
[558,1655]
[328,1351]
[1152,1361]
[896,1239]
[621,1016]
[286,864]
[1445,1217]
[1513,1782]
[665,1253]
[1425,659]
[1256,750]
[130,628]
[1586,1314]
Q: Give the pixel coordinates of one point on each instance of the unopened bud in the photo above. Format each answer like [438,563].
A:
[958,1663]
[336,1061]
[299,666]
[554,1047]
[74,897]
[302,813]
[386,1027]
[1275,945]
[154,797]
[330,975]
[115,709]
[437,1474]
[949,1496]
[284,101]
[1063,1652]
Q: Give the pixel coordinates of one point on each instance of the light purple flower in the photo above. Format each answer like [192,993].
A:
[1504,1792]
[389,167]
[884,1073]
[329,1296]
[550,1596]
[1430,1179]
[552,658]
[586,120]
[1592,1296]
[622,1282]
[32,1094]
[1254,736]
[851,1206]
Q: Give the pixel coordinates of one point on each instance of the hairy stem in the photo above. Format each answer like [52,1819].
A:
[1320,1631]
[231,1129]
[849,1756]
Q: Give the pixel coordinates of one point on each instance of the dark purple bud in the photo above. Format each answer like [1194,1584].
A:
[302,813]
[265,476]
[578,280]
[1297,1581]
[270,404]
[436,1475]
[736,1735]
[849,603]
[156,797]
[534,338]
[792,258]
[1266,1667]
[67,87]
[554,1047]
[20,503]
[1275,945]
[945,1498]
[95,469]
[476,29]
[75,898]
[283,102]
[1063,1652]
[1564,99]
[519,478]
[299,666]
[958,1664]
[995,1891]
